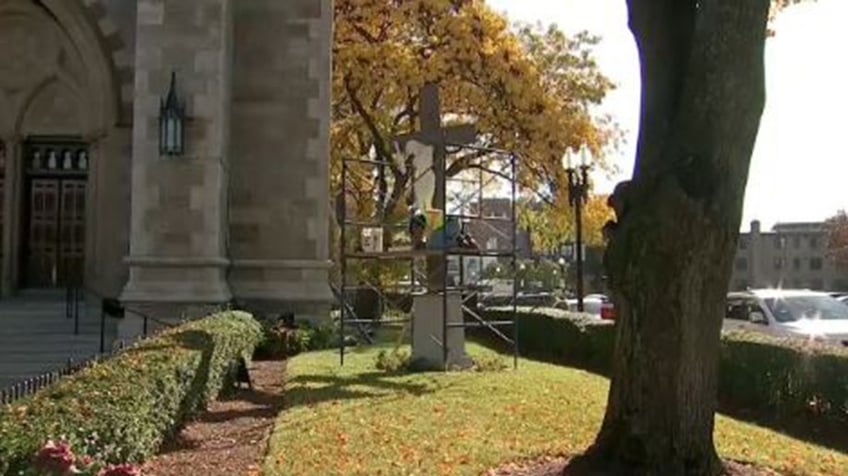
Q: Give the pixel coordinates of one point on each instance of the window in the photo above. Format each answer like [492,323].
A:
[779,241]
[741,310]
[796,264]
[743,242]
[737,311]
[815,264]
[778,263]
[794,308]
[814,242]
[796,242]
[741,264]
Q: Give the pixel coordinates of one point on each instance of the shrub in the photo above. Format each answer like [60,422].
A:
[309,337]
[280,341]
[121,410]
[784,376]
[393,361]
[578,340]
[756,371]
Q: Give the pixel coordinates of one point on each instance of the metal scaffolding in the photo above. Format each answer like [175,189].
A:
[484,168]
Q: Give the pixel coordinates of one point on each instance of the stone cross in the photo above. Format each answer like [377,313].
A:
[434,136]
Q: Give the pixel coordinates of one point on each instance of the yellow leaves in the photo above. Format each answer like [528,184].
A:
[519,87]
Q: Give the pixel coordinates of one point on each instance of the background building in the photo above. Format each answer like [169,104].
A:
[494,234]
[791,255]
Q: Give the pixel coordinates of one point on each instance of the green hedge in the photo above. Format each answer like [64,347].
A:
[785,376]
[122,409]
[577,340]
[757,372]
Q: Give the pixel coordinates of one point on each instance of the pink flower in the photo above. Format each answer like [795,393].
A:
[120,470]
[55,458]
[86,461]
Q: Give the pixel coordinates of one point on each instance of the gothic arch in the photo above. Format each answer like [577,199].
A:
[114,47]
[58,41]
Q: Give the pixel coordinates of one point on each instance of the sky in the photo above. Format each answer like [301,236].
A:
[799,170]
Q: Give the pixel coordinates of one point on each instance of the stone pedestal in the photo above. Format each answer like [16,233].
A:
[427,332]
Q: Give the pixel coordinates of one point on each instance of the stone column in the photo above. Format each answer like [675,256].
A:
[279,207]
[178,233]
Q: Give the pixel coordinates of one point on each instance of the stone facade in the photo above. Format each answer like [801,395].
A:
[243,213]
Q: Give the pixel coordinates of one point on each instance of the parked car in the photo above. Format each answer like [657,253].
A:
[788,313]
[598,305]
[843,299]
[535,300]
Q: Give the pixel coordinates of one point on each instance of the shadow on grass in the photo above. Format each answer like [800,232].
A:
[315,389]
[819,430]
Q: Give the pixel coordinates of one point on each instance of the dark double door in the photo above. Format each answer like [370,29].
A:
[54,225]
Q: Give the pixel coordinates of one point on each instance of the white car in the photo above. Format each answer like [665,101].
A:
[788,313]
[595,304]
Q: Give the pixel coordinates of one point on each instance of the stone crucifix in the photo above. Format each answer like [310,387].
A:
[428,146]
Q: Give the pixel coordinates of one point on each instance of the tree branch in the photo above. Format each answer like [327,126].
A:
[380,145]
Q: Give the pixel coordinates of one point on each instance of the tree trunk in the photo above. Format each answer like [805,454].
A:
[669,260]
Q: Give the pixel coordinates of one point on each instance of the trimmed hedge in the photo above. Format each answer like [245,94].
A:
[757,372]
[122,409]
[785,376]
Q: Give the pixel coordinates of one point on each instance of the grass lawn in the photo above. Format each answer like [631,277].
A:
[358,420]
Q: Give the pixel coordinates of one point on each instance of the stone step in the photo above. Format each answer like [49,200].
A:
[62,328]
[35,349]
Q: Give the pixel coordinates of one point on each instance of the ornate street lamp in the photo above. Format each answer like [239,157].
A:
[578,194]
[562,266]
[172,122]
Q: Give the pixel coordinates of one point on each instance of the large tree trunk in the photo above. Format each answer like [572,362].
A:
[670,257]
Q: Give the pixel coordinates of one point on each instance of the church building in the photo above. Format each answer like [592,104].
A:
[172,154]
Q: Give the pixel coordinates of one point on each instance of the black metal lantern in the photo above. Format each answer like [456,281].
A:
[172,122]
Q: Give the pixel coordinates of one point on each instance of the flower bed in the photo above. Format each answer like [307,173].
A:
[121,410]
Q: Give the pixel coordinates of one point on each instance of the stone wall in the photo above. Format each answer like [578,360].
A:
[177,247]
[279,185]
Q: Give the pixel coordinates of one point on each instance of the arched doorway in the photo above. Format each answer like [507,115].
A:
[61,117]
[54,212]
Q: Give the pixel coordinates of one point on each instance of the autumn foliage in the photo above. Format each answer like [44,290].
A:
[527,90]
[550,229]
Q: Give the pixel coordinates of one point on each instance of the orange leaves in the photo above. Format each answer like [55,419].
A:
[527,90]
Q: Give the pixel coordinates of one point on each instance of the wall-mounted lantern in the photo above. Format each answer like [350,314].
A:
[172,122]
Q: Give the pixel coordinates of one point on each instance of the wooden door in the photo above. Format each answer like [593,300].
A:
[71,245]
[42,257]
[56,235]
[53,230]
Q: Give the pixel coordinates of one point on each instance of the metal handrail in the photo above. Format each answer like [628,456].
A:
[30,386]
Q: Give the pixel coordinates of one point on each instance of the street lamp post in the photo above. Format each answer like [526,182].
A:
[578,194]
[562,265]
